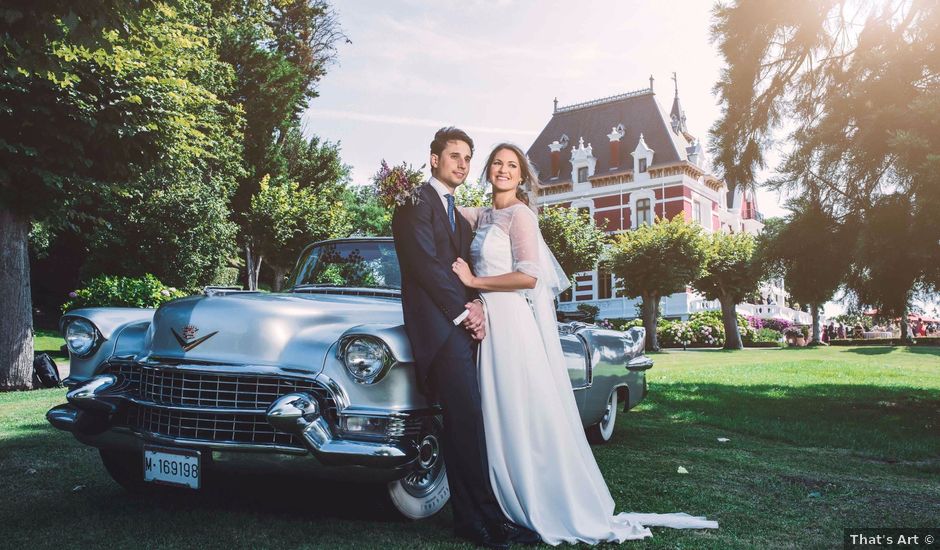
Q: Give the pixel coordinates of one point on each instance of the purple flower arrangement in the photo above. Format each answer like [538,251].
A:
[398,185]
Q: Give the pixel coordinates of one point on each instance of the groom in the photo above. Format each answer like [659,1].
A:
[445,321]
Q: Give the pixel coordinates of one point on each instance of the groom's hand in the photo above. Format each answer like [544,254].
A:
[476,320]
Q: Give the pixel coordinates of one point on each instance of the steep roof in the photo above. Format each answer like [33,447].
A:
[638,112]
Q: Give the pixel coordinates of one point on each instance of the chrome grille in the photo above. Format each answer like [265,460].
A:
[201,389]
[206,426]
[189,391]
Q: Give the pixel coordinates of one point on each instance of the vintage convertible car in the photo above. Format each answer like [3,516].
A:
[316,380]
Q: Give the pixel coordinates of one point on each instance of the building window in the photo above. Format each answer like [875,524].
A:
[697,212]
[565,296]
[604,285]
[642,212]
[642,166]
[582,174]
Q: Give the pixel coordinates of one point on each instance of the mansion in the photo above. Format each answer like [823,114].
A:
[625,161]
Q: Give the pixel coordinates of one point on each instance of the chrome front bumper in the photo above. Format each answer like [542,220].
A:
[94,406]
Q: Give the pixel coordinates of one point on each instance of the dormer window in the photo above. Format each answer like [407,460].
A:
[642,158]
[582,161]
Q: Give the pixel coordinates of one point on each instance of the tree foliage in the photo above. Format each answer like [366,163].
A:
[92,95]
[573,238]
[731,272]
[472,194]
[368,216]
[280,50]
[852,87]
[285,217]
[654,261]
[811,251]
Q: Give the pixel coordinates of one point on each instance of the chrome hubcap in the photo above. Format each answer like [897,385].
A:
[429,471]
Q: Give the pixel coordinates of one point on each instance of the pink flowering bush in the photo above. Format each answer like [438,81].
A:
[398,185]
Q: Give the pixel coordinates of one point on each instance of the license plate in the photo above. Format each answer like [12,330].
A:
[178,467]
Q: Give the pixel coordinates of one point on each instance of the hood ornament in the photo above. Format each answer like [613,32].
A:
[186,341]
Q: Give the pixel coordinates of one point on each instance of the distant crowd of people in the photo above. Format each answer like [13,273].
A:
[840,330]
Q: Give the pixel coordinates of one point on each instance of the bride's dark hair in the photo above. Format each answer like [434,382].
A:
[529,176]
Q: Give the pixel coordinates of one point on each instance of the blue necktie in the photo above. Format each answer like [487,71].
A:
[450,211]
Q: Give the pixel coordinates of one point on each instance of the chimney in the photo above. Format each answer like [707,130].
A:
[614,136]
[555,149]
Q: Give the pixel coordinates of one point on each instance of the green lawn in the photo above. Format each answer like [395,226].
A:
[51,342]
[819,440]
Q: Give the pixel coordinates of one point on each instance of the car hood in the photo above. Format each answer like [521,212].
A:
[291,331]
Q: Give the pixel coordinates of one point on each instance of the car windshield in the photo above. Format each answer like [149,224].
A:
[365,264]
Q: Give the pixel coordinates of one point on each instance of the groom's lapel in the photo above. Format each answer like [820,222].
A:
[435,199]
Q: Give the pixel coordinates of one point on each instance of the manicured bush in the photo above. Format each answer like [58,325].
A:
[113,291]
[767,335]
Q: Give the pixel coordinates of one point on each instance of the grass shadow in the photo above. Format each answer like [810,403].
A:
[872,350]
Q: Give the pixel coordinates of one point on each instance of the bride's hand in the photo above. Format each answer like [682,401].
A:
[462,269]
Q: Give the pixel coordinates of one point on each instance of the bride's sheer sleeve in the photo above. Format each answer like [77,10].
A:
[530,254]
[471,214]
[524,237]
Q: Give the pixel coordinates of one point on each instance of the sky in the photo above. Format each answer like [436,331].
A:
[493,68]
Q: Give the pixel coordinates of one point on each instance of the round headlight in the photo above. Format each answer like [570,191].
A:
[365,358]
[80,336]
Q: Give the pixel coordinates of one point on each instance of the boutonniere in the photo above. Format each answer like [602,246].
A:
[398,185]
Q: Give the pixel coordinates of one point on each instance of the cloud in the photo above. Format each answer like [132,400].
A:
[409,121]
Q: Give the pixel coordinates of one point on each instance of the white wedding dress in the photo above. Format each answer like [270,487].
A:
[541,466]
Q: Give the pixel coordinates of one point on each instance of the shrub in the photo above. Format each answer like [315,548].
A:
[767,335]
[114,291]
[627,325]
[677,333]
[713,318]
[779,325]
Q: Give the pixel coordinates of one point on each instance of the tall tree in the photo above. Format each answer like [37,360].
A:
[852,87]
[89,94]
[280,50]
[731,274]
[811,250]
[654,261]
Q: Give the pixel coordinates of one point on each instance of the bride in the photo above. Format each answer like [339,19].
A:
[541,467]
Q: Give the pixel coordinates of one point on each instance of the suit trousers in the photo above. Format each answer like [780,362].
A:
[455,380]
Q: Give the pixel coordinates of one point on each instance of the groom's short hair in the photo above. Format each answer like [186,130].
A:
[446,134]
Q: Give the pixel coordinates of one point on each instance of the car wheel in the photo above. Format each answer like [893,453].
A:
[601,432]
[424,491]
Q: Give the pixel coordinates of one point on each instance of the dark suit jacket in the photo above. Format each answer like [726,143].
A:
[432,295]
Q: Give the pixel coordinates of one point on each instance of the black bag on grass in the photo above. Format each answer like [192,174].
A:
[45,372]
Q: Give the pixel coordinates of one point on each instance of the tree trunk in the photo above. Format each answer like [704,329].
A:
[253,265]
[814,310]
[16,318]
[279,274]
[650,319]
[729,318]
